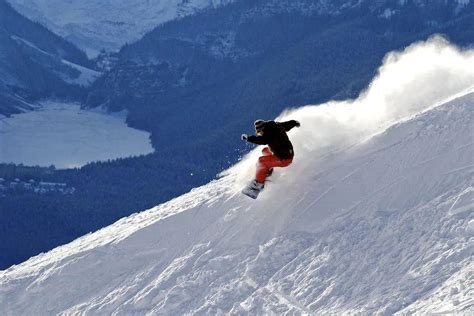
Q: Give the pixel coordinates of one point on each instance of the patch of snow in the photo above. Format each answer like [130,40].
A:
[182,81]
[367,220]
[388,13]
[454,296]
[303,7]
[463,2]
[66,136]
[86,77]
[28,43]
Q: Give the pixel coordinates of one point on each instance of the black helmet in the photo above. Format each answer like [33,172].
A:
[259,124]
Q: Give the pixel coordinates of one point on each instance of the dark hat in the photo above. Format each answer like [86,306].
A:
[259,124]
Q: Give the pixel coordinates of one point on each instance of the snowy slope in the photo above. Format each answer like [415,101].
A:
[98,24]
[80,75]
[375,215]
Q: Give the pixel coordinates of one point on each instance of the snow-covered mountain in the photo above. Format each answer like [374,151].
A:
[35,63]
[374,215]
[95,25]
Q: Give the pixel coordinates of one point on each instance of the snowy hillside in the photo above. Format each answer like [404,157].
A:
[374,215]
[36,63]
[96,25]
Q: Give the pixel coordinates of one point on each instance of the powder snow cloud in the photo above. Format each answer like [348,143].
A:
[408,82]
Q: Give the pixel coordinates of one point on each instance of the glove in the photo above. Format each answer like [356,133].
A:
[297,124]
[244,137]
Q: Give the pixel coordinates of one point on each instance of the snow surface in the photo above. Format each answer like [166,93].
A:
[63,135]
[107,24]
[374,216]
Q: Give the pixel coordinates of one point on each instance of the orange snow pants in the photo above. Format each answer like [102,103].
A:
[267,162]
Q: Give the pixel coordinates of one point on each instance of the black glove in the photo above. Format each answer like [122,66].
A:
[244,137]
[297,124]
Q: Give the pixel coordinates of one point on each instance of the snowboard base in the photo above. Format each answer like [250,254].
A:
[251,191]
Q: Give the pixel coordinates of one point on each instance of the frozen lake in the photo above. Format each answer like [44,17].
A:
[63,135]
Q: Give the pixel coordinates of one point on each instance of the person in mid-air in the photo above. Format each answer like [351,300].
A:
[278,153]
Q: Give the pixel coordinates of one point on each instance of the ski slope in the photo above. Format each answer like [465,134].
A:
[374,216]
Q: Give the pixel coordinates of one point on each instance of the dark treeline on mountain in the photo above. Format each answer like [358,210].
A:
[31,64]
[31,223]
[250,60]
[199,82]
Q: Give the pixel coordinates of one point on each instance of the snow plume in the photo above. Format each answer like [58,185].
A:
[408,82]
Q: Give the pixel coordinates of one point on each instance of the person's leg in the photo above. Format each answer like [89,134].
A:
[266,163]
[267,152]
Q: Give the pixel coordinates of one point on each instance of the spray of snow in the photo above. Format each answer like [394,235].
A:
[409,82]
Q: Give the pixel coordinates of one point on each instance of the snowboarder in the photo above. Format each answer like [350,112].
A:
[278,153]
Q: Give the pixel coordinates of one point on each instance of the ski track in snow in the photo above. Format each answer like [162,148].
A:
[370,219]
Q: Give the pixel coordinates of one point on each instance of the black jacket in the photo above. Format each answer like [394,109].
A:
[274,135]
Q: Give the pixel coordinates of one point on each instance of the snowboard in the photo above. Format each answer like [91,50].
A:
[251,191]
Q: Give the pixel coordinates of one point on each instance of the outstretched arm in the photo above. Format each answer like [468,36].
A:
[259,140]
[289,124]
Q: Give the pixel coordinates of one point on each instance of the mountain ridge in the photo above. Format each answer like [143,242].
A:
[98,25]
[37,63]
